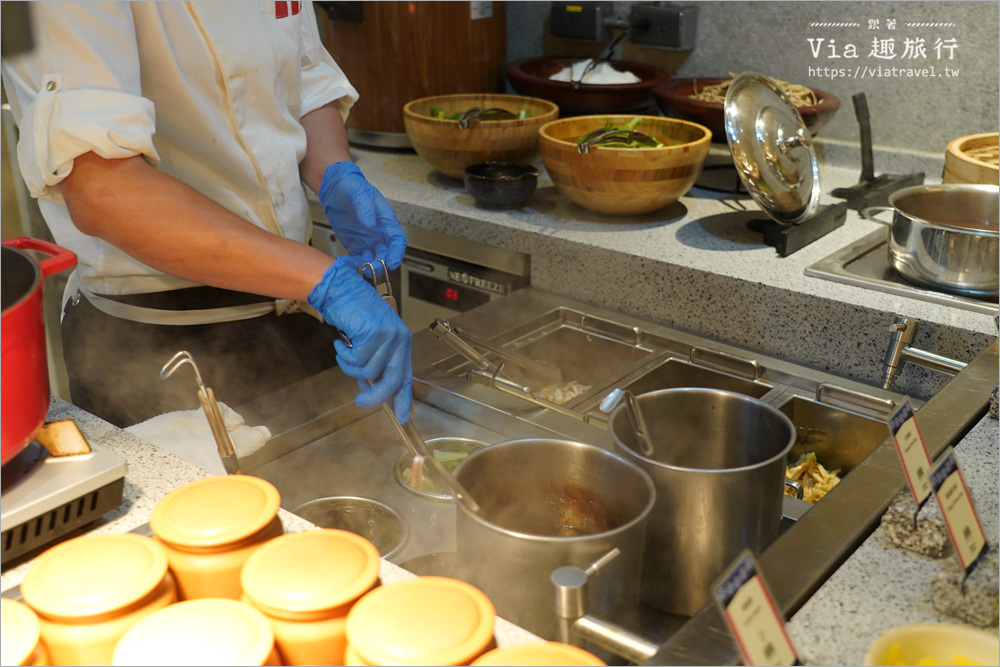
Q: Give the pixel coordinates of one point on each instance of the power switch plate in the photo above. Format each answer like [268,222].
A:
[670,27]
[579,20]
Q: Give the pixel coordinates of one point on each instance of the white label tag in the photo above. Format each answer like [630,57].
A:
[480,9]
[912,452]
[752,616]
[959,513]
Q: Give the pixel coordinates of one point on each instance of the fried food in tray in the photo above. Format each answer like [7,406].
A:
[816,480]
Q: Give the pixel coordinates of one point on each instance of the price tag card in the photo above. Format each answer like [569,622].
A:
[752,616]
[959,513]
[912,452]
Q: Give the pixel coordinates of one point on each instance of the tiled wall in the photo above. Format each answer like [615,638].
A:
[908,112]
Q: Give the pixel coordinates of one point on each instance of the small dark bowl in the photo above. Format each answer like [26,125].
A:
[672,98]
[501,183]
[530,76]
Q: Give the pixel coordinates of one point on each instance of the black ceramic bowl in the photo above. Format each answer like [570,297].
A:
[501,183]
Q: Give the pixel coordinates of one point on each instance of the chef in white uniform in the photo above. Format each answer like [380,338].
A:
[167,144]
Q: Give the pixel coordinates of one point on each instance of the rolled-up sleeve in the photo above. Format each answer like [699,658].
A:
[322,79]
[78,90]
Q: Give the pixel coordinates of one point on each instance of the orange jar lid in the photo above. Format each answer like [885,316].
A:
[216,511]
[311,571]
[538,653]
[422,621]
[19,632]
[207,631]
[94,574]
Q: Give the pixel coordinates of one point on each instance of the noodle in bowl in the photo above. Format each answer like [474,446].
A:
[680,98]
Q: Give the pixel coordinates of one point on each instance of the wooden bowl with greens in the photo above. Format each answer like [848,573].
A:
[651,166]
[434,128]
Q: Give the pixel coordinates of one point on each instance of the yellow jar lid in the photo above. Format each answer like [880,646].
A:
[310,571]
[422,621]
[94,574]
[542,654]
[215,511]
[207,631]
[19,632]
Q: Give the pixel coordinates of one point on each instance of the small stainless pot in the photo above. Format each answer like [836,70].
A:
[945,237]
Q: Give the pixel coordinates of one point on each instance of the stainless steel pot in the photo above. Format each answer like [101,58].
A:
[945,237]
[719,473]
[552,503]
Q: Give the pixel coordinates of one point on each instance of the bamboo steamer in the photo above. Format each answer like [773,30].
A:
[624,181]
[450,149]
[973,159]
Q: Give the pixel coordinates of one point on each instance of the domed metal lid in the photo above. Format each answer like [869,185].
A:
[772,149]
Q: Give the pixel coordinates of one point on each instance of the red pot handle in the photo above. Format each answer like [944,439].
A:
[60,259]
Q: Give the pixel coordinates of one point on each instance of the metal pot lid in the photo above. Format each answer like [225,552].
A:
[772,149]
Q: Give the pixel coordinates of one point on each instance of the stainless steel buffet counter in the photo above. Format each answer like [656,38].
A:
[324,446]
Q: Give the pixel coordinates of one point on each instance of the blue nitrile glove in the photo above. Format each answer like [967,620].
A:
[361,218]
[381,342]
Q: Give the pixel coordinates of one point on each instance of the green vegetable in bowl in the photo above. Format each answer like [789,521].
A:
[448,458]
[439,113]
[612,136]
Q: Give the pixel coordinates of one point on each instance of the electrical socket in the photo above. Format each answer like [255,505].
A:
[579,20]
[670,27]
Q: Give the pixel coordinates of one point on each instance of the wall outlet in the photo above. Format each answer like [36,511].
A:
[670,27]
[579,20]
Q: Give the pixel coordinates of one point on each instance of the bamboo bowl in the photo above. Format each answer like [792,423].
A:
[624,181]
[450,149]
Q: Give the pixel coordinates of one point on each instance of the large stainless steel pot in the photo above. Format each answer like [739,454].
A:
[945,237]
[719,470]
[552,503]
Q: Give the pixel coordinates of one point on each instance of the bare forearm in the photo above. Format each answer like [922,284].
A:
[173,228]
[326,139]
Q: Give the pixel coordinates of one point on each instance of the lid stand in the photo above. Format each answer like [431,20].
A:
[773,154]
[787,239]
[872,190]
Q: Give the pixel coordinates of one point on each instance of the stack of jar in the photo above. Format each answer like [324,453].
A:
[220,583]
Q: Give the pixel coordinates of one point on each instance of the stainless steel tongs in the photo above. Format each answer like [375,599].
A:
[535,372]
[422,456]
[211,407]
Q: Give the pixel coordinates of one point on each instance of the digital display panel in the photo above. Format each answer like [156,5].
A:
[441,293]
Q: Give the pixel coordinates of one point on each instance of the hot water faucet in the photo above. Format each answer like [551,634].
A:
[900,350]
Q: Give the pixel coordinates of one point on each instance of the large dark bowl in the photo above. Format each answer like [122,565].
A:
[530,76]
[501,183]
[673,99]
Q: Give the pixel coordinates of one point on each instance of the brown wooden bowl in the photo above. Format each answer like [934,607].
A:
[530,76]
[450,149]
[624,181]
[673,99]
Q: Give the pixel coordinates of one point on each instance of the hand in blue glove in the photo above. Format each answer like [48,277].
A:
[380,350]
[361,218]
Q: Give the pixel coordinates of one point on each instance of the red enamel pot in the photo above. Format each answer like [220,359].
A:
[24,366]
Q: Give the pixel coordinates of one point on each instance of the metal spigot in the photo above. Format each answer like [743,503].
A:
[900,350]
[577,627]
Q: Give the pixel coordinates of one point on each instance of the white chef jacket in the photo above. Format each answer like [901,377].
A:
[209,92]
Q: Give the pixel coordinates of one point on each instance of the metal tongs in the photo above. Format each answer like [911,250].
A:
[601,137]
[535,372]
[422,455]
[477,113]
[211,407]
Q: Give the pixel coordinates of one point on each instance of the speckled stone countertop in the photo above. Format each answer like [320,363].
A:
[152,474]
[695,266]
[881,586]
